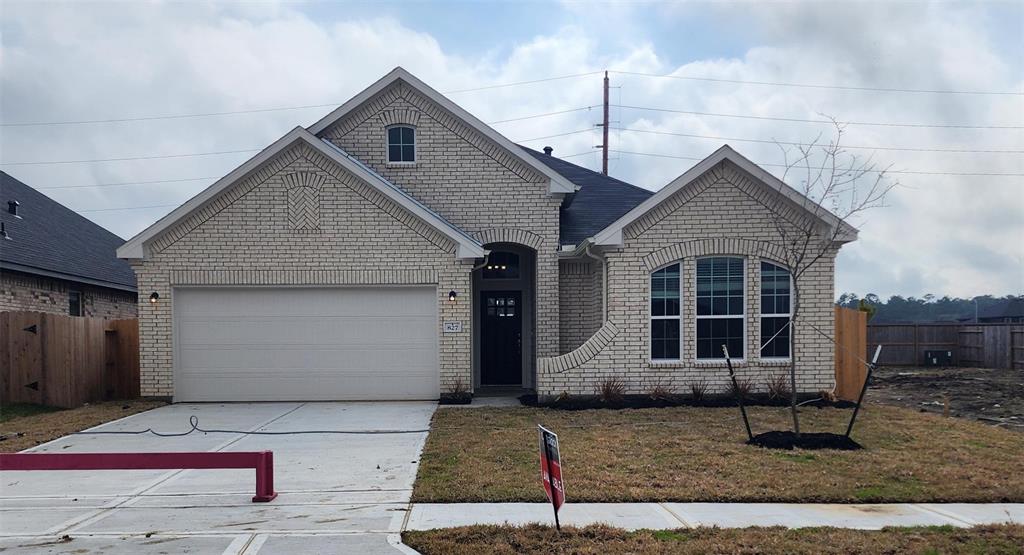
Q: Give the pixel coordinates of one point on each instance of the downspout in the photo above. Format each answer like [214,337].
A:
[487,256]
[604,282]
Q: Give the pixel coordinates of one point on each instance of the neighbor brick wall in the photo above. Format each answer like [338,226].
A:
[20,291]
[467,179]
[716,217]
[354,235]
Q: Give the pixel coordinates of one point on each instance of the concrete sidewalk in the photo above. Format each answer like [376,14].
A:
[662,516]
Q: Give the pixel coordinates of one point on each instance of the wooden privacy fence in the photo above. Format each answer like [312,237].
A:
[981,345]
[66,361]
[851,344]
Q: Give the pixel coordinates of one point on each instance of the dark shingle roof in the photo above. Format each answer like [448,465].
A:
[1003,308]
[50,239]
[600,201]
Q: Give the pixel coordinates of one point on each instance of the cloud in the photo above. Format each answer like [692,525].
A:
[942,234]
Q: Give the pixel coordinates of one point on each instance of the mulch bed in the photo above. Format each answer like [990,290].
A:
[789,440]
[589,402]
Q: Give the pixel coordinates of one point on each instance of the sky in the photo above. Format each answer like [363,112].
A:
[941,232]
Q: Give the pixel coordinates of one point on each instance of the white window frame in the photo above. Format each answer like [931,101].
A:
[415,145]
[651,317]
[742,317]
[763,315]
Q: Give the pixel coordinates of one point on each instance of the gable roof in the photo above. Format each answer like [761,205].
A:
[468,248]
[612,234]
[558,183]
[599,201]
[52,240]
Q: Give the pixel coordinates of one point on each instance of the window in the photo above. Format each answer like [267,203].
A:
[719,307]
[502,265]
[665,295]
[74,303]
[401,144]
[775,311]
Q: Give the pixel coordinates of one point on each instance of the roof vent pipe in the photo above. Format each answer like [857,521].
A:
[3,231]
[548,150]
[12,207]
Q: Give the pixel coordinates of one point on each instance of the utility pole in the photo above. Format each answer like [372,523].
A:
[604,130]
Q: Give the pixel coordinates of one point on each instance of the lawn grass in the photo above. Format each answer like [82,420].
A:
[691,454]
[9,411]
[536,539]
[28,427]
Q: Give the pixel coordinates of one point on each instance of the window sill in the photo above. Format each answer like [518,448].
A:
[774,362]
[666,363]
[400,164]
[720,363]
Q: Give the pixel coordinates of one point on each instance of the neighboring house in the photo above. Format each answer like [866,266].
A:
[1001,311]
[400,248]
[54,260]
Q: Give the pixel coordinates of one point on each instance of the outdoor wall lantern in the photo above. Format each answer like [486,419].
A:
[154,297]
[451,296]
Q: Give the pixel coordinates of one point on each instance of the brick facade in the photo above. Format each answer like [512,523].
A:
[467,179]
[581,289]
[20,291]
[718,216]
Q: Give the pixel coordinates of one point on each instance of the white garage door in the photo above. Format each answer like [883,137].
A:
[296,344]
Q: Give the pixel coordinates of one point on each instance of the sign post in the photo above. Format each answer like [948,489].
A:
[551,470]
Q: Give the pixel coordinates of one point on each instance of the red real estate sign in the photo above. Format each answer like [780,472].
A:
[551,470]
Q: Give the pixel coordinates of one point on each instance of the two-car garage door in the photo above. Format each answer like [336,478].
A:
[277,344]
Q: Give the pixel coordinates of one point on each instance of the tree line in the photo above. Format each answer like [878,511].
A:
[928,308]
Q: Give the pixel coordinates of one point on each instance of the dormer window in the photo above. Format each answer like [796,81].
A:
[401,144]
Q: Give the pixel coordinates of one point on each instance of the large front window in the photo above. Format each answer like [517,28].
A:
[665,311]
[775,311]
[720,307]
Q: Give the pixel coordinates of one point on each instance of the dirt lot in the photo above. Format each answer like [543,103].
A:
[25,427]
[989,395]
[603,540]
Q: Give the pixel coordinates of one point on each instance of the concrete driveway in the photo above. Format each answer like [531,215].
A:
[337,493]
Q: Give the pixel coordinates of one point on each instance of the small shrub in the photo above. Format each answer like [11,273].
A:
[457,394]
[778,386]
[661,392]
[611,390]
[698,391]
[828,395]
[741,388]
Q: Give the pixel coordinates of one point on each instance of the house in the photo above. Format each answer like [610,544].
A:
[54,260]
[999,311]
[399,248]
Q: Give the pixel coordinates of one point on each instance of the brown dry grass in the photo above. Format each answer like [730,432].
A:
[40,428]
[698,454]
[535,539]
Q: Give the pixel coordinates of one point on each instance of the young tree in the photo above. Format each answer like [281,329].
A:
[836,187]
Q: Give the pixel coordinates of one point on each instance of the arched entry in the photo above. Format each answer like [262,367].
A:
[504,316]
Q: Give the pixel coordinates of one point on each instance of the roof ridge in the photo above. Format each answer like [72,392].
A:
[538,154]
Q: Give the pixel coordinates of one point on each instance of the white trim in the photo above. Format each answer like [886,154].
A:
[415,146]
[558,183]
[612,234]
[762,315]
[468,248]
[743,317]
[677,317]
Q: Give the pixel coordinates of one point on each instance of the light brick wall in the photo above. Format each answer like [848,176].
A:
[580,312]
[42,294]
[719,216]
[353,235]
[467,179]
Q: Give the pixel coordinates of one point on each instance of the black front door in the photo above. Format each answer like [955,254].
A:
[501,338]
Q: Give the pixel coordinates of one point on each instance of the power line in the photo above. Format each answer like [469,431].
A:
[792,143]
[158,157]
[816,86]
[129,208]
[799,120]
[553,136]
[122,184]
[489,87]
[543,115]
[913,172]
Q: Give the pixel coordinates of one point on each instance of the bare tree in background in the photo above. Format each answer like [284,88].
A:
[835,186]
